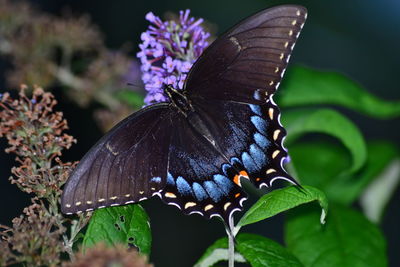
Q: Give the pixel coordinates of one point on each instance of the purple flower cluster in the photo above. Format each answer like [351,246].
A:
[168,51]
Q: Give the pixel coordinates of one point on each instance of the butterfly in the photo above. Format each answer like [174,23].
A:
[222,127]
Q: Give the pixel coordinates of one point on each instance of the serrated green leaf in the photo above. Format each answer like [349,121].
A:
[132,98]
[128,225]
[304,87]
[330,122]
[347,239]
[256,250]
[281,200]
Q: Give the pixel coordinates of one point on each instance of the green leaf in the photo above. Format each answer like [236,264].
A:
[304,87]
[132,98]
[281,200]
[380,155]
[347,239]
[127,224]
[378,194]
[260,251]
[321,165]
[217,252]
[256,250]
[330,122]
[208,258]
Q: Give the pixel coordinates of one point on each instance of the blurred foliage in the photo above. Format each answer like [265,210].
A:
[329,122]
[101,255]
[65,52]
[347,239]
[307,87]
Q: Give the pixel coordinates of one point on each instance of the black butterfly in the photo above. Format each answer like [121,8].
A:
[193,150]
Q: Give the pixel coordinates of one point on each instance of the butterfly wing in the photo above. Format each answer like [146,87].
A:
[242,140]
[246,64]
[250,136]
[196,182]
[127,165]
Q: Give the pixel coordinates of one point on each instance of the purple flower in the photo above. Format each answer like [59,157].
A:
[168,51]
[169,64]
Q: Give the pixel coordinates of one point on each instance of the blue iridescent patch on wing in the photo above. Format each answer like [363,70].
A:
[183,186]
[258,155]
[213,191]
[259,123]
[257,95]
[235,161]
[170,180]
[224,183]
[256,109]
[249,163]
[156,179]
[261,140]
[225,168]
[199,192]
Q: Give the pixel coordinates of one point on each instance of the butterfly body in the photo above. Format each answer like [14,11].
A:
[179,100]
[193,150]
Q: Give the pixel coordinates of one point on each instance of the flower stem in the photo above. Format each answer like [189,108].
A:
[231,243]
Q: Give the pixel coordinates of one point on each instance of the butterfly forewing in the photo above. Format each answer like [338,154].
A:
[246,64]
[127,165]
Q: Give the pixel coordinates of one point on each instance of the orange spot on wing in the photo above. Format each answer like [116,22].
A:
[236,180]
[237,195]
[258,179]
[244,173]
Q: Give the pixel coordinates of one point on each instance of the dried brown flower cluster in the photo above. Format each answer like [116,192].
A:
[35,133]
[63,51]
[101,255]
[34,238]
[42,236]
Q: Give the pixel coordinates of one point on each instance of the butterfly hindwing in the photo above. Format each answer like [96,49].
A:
[250,136]
[246,64]
[127,165]
[241,140]
[196,182]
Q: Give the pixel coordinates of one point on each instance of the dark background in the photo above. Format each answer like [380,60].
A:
[358,38]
